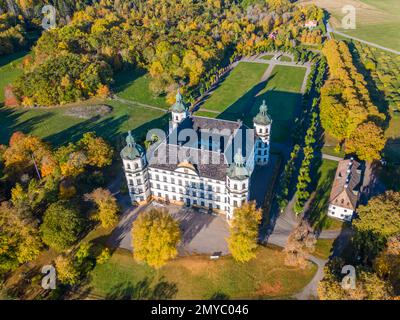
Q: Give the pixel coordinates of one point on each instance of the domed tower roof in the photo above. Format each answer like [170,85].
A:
[262,118]
[179,106]
[237,170]
[132,150]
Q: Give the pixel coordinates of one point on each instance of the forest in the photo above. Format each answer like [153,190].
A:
[180,43]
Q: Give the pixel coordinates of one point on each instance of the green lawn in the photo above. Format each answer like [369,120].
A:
[56,127]
[283,97]
[198,277]
[133,84]
[238,86]
[323,248]
[281,92]
[10,70]
[267,57]
[285,59]
[331,150]
[319,205]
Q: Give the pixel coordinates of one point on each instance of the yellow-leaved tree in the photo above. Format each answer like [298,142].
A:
[242,242]
[155,235]
[107,207]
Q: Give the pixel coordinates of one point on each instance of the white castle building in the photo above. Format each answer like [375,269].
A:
[212,169]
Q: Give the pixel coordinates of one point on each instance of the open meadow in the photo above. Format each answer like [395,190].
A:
[198,277]
[377,21]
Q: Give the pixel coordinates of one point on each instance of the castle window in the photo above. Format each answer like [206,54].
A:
[243,186]
[136,165]
[235,204]
[128,166]
[139,181]
[130,182]
[235,186]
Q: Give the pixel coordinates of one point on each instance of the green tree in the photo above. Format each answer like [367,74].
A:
[380,215]
[242,241]
[61,225]
[155,235]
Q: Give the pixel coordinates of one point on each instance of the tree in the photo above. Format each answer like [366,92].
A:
[387,264]
[97,151]
[367,141]
[242,242]
[67,272]
[19,238]
[61,225]
[380,215]
[368,284]
[26,152]
[300,243]
[155,235]
[107,207]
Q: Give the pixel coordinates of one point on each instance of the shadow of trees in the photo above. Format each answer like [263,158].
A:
[10,122]
[143,290]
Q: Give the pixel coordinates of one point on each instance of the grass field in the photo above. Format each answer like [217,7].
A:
[285,59]
[319,204]
[377,21]
[54,126]
[267,57]
[323,248]
[281,93]
[57,128]
[198,277]
[9,70]
[237,88]
[133,84]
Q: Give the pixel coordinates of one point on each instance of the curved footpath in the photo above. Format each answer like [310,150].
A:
[284,225]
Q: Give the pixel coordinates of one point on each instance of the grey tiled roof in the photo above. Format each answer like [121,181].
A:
[210,164]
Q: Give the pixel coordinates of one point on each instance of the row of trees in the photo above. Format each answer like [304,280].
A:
[347,112]
[307,126]
[374,252]
[178,42]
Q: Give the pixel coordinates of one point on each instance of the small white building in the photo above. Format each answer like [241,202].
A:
[311,24]
[214,172]
[345,191]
